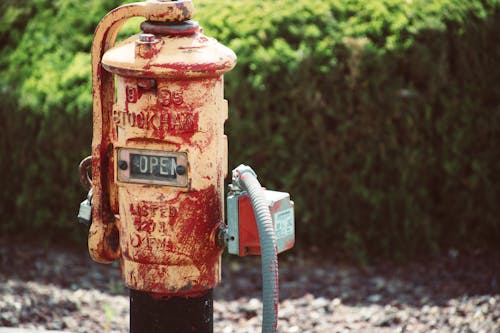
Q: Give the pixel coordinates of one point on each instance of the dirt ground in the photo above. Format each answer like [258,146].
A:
[58,288]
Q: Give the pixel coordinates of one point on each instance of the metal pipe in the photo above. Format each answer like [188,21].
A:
[151,313]
[246,179]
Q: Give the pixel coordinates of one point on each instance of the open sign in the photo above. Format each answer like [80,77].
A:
[152,167]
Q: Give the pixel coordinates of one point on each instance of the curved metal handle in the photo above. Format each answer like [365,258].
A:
[103,234]
[84,167]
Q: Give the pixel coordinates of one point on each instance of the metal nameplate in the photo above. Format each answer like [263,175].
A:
[155,167]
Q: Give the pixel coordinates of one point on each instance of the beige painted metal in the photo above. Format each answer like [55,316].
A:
[169,98]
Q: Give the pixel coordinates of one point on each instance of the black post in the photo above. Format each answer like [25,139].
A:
[150,314]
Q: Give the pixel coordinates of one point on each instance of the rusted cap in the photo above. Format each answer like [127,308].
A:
[171,11]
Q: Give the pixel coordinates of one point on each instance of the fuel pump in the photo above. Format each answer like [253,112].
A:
[159,159]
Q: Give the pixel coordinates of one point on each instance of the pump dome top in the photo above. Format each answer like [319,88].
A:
[194,55]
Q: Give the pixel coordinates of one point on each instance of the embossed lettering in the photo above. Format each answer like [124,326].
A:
[140,120]
[168,97]
[135,240]
[131,119]
[174,122]
[116,117]
[131,93]
[182,122]
[150,121]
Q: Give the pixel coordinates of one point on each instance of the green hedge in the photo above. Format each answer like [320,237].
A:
[381,118]
[45,88]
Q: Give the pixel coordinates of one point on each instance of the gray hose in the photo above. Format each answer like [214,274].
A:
[247,180]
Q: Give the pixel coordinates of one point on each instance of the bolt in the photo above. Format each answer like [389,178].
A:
[123,165]
[146,84]
[146,38]
[221,238]
[180,170]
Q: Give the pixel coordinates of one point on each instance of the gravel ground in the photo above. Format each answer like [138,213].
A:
[61,289]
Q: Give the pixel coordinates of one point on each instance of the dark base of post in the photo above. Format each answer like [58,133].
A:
[150,314]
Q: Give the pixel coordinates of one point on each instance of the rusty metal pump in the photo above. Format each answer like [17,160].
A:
[159,153]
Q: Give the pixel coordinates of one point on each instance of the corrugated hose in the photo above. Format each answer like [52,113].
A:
[246,179]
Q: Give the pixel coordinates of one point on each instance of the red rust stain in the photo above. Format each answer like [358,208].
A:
[208,71]
[113,207]
[182,119]
[140,92]
[99,75]
[199,213]
[102,170]
[180,122]
[96,174]
[150,52]
[142,221]
[206,68]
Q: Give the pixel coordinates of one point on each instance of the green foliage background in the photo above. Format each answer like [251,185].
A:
[382,118]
